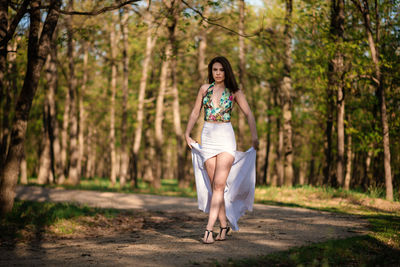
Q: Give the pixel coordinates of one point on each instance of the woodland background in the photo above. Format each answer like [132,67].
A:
[104,89]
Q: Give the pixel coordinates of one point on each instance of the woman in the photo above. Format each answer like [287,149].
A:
[218,151]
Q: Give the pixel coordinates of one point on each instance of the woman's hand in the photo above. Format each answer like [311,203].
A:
[189,141]
[255,143]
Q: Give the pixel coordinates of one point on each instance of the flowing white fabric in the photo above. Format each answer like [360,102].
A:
[240,185]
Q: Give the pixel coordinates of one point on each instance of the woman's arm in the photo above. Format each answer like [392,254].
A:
[194,115]
[244,106]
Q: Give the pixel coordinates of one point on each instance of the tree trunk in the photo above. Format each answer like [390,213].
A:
[242,70]
[82,114]
[45,156]
[10,95]
[348,163]
[73,172]
[150,42]
[335,84]
[302,173]
[364,9]
[125,83]
[159,136]
[202,67]
[340,133]
[180,146]
[286,95]
[38,49]
[52,80]
[91,154]
[64,138]
[113,52]
[23,170]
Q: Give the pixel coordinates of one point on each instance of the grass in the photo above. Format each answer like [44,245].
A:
[380,247]
[33,218]
[169,187]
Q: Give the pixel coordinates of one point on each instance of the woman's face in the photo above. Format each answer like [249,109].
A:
[218,72]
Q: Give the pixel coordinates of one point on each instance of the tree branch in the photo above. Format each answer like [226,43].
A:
[17,18]
[210,21]
[98,11]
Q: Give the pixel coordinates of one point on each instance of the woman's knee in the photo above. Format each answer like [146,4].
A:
[218,186]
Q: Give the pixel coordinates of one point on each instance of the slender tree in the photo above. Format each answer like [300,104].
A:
[373,43]
[38,48]
[286,95]
[113,58]
[73,172]
[150,42]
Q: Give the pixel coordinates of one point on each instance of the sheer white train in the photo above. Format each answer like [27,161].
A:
[239,190]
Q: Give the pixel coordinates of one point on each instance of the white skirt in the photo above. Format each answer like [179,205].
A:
[240,185]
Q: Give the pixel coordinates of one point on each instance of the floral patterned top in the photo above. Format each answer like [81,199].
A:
[221,113]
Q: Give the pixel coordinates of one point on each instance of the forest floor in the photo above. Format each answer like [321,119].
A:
[151,230]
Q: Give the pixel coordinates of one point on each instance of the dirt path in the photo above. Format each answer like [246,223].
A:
[171,231]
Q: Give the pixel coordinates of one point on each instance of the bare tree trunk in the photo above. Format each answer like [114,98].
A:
[113,52]
[271,178]
[368,160]
[38,48]
[91,154]
[82,114]
[242,72]
[23,170]
[156,182]
[335,84]
[279,154]
[73,173]
[364,9]
[52,80]
[4,133]
[202,67]
[286,92]
[45,156]
[302,173]
[125,83]
[10,96]
[159,136]
[64,137]
[340,133]
[348,163]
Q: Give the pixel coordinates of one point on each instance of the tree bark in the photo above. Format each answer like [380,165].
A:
[150,42]
[45,156]
[202,67]
[52,80]
[125,83]
[348,163]
[335,84]
[82,113]
[91,154]
[113,55]
[10,96]
[374,49]
[73,172]
[242,70]
[23,170]
[38,48]
[64,138]
[286,95]
[159,136]
[180,146]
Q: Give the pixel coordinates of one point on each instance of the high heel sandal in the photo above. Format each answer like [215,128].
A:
[205,241]
[218,238]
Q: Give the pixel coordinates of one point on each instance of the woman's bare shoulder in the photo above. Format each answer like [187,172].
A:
[204,87]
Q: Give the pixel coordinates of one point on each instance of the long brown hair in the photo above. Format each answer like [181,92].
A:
[230,81]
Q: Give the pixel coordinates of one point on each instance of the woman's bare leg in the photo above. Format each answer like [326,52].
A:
[210,168]
[222,167]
